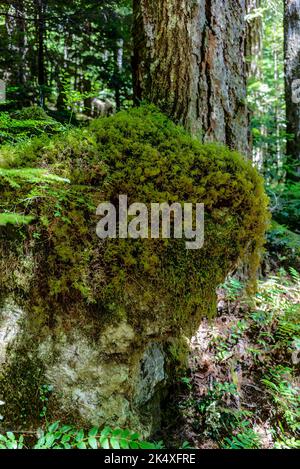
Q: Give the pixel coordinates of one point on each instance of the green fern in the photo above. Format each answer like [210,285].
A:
[280,384]
[295,275]
[14,177]
[246,438]
[15,219]
[67,437]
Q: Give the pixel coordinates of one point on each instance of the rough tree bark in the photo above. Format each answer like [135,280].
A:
[292,77]
[189,60]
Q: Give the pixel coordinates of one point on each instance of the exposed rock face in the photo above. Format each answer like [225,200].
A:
[10,324]
[106,381]
[151,373]
[100,325]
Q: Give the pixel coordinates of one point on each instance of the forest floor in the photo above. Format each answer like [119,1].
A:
[242,390]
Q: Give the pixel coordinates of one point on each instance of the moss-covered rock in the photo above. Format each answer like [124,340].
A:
[116,298]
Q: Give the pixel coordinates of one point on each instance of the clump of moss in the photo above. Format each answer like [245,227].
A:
[20,388]
[32,112]
[144,155]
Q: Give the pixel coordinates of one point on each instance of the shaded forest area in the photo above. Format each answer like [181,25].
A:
[71,77]
[59,55]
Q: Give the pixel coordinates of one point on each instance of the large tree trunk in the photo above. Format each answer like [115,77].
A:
[292,74]
[189,60]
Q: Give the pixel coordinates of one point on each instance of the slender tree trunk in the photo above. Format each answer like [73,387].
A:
[61,70]
[16,66]
[276,110]
[189,60]
[61,93]
[292,74]
[41,28]
[87,102]
[86,81]
[118,66]
[254,38]
[253,53]
[21,41]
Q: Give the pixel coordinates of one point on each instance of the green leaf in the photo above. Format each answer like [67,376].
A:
[53,427]
[11,444]
[124,444]
[11,436]
[104,443]
[81,445]
[93,431]
[106,431]
[93,442]
[50,438]
[21,442]
[65,428]
[134,445]
[146,445]
[80,435]
[115,443]
[65,438]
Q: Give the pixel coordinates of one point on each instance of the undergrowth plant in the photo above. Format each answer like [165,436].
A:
[22,125]
[67,437]
[223,417]
[259,350]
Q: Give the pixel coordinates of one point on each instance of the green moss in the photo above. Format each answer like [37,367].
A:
[34,112]
[143,154]
[20,384]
